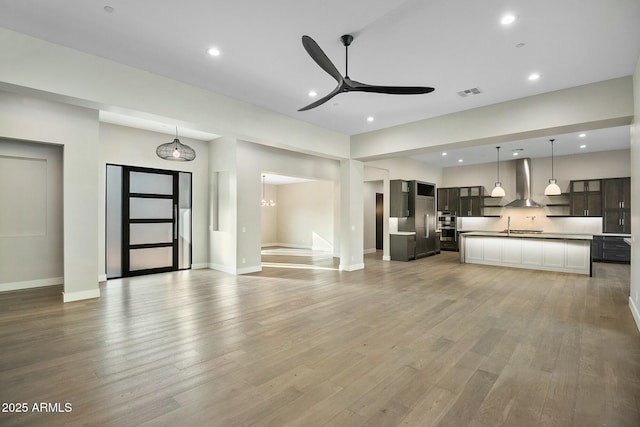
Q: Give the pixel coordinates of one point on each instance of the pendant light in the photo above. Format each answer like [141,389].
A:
[552,189]
[264,202]
[176,150]
[498,191]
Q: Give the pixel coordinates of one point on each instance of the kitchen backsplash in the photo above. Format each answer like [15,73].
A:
[532,219]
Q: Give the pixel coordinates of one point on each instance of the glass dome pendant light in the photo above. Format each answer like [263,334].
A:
[498,191]
[176,150]
[552,189]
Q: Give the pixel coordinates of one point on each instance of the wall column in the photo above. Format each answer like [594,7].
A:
[351,217]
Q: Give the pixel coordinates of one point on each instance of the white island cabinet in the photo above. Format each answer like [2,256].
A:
[569,253]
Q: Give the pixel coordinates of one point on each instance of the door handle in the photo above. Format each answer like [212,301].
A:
[175,221]
[426,225]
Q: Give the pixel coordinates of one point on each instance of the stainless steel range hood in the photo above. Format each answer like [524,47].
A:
[523,186]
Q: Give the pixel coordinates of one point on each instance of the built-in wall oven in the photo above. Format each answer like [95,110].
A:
[448,233]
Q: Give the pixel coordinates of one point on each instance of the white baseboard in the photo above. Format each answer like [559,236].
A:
[370,251]
[28,284]
[199,266]
[223,268]
[294,246]
[102,278]
[80,295]
[235,271]
[352,267]
[386,258]
[247,270]
[634,312]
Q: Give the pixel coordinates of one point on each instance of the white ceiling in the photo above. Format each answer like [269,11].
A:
[451,45]
[610,139]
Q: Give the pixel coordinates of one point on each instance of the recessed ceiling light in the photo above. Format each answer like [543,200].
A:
[507,19]
[444,154]
[534,76]
[213,51]
[109,9]
[583,146]
[460,160]
[582,135]
[519,45]
[370,119]
[516,154]
[313,93]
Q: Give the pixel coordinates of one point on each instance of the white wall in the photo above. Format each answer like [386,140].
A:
[75,128]
[409,169]
[352,225]
[223,201]
[305,215]
[133,147]
[238,250]
[31,240]
[634,298]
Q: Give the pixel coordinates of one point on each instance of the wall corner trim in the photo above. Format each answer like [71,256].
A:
[352,267]
[80,295]
[635,312]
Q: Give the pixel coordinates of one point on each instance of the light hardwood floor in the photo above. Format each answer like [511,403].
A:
[425,343]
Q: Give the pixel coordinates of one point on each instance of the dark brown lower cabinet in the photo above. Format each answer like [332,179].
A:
[610,249]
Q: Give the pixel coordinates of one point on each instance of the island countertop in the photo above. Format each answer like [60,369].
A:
[528,235]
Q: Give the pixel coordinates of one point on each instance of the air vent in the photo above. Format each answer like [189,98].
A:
[467,92]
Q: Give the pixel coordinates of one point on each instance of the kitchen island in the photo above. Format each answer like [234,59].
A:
[568,253]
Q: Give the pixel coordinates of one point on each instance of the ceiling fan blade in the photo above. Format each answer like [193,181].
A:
[340,88]
[393,90]
[321,59]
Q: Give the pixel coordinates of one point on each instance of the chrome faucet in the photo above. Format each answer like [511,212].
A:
[509,225]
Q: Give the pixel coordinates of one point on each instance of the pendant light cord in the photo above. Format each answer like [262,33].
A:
[552,176]
[498,163]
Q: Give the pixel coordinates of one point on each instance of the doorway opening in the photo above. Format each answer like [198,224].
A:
[148,221]
[297,223]
[379,221]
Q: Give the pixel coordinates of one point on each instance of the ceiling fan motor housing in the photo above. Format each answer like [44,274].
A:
[346,39]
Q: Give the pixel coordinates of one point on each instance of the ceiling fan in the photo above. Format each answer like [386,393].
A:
[345,84]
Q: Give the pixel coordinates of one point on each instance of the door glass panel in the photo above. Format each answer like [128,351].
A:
[150,183]
[140,234]
[143,259]
[141,208]
[114,222]
[184,220]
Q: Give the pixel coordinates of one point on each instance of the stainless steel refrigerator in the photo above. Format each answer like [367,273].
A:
[422,218]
